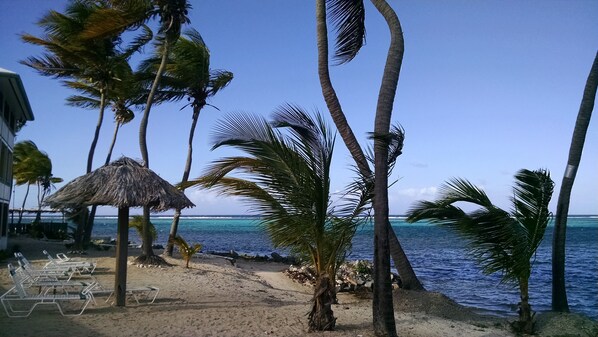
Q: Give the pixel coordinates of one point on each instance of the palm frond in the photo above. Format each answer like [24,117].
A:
[348,17]
[83,102]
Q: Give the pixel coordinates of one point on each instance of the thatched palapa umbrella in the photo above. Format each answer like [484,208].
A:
[123,183]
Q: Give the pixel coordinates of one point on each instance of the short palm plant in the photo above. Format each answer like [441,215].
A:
[500,241]
[187,251]
[136,222]
[285,174]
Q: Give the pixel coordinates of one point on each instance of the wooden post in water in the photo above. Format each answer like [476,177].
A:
[122,244]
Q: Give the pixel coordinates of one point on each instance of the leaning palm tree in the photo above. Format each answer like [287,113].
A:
[286,176]
[26,169]
[130,14]
[98,62]
[349,18]
[500,241]
[559,292]
[188,75]
[187,251]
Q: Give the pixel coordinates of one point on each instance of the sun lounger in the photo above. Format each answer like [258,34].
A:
[83,266]
[139,294]
[18,296]
[50,273]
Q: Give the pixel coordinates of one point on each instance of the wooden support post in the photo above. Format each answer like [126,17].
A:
[122,244]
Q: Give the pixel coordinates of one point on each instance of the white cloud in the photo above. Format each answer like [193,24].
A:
[419,193]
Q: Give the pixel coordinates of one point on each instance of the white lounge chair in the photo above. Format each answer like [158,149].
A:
[83,266]
[50,273]
[18,295]
[147,293]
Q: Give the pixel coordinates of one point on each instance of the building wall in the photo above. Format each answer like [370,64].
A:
[7,137]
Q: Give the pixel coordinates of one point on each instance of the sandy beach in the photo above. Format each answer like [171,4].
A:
[215,298]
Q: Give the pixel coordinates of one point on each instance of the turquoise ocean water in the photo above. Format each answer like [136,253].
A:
[437,255]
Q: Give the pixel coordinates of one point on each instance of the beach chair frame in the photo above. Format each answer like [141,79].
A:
[18,294]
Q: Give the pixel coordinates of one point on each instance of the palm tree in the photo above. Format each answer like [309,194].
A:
[500,241]
[25,167]
[127,14]
[287,178]
[98,62]
[559,292]
[349,18]
[188,75]
[136,222]
[32,166]
[187,251]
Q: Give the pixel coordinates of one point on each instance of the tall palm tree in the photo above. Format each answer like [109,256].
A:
[500,241]
[287,177]
[559,292]
[98,62]
[188,74]
[127,14]
[349,18]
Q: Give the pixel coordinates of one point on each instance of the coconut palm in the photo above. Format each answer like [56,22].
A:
[188,75]
[349,18]
[187,251]
[29,163]
[130,14]
[286,176]
[99,62]
[32,166]
[559,292]
[500,241]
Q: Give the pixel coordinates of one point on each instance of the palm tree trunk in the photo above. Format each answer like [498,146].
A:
[526,323]
[329,93]
[38,216]
[87,227]
[398,255]
[321,317]
[409,280]
[559,293]
[96,135]
[148,252]
[177,213]
[92,213]
[114,136]
[23,205]
[384,323]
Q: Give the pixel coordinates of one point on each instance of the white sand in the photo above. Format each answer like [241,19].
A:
[214,298]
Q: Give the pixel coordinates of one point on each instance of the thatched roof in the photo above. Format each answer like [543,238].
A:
[122,183]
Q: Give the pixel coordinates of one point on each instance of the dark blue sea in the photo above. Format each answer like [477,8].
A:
[437,255]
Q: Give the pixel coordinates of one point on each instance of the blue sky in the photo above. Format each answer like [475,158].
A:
[486,88]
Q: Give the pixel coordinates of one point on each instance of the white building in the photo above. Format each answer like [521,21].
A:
[14,112]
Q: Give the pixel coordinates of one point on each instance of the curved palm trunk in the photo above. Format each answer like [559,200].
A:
[114,136]
[329,93]
[147,251]
[410,280]
[321,316]
[92,213]
[177,214]
[559,293]
[384,323]
[87,227]
[23,205]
